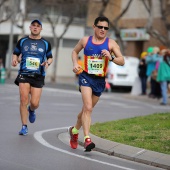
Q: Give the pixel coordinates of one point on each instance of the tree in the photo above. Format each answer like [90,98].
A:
[165,14]
[116,28]
[12,12]
[5,11]
[70,12]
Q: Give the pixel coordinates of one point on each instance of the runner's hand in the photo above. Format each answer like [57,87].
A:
[107,54]
[45,63]
[76,68]
[14,61]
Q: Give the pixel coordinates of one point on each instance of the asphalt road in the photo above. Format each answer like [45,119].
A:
[44,148]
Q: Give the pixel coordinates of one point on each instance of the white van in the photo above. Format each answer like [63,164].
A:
[123,76]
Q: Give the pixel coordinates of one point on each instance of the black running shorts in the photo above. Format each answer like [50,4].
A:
[35,81]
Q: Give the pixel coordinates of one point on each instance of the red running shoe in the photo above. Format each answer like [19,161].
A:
[88,145]
[73,138]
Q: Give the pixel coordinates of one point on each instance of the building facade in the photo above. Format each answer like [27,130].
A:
[131,25]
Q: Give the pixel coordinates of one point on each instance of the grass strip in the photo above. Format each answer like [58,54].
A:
[151,132]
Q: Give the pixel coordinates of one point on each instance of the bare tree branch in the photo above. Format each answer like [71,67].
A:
[5,10]
[104,5]
[123,12]
[156,34]
[116,27]
[74,9]
[67,26]
[2,2]
[150,19]
[7,18]
[149,26]
[146,6]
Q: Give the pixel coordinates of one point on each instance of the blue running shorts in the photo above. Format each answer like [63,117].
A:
[96,83]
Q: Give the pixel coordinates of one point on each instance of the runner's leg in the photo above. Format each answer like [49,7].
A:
[89,101]
[35,97]
[78,125]
[24,89]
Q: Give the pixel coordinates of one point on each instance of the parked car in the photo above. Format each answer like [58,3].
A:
[123,76]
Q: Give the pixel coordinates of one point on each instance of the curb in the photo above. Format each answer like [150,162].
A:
[129,152]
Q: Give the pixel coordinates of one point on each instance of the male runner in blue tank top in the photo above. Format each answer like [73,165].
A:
[36,56]
[98,50]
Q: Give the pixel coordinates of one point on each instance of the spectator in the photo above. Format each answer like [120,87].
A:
[142,72]
[164,76]
[1,66]
[151,60]
[1,63]
[158,58]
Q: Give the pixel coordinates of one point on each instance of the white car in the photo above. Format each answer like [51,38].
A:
[123,76]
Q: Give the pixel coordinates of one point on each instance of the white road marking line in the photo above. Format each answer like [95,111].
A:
[63,104]
[123,105]
[61,91]
[39,138]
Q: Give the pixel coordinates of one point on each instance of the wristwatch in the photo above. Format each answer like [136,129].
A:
[113,57]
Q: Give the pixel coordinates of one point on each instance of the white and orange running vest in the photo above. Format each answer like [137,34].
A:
[94,61]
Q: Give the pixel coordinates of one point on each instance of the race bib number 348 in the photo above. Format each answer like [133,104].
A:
[95,66]
[32,63]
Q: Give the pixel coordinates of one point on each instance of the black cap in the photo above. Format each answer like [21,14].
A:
[38,21]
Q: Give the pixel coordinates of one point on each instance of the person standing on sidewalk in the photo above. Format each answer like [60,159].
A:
[98,51]
[34,55]
[163,76]
[142,73]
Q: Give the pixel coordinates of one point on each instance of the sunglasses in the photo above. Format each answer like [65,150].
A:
[101,27]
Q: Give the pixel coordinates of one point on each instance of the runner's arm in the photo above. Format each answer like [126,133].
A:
[49,60]
[16,57]
[115,49]
[75,53]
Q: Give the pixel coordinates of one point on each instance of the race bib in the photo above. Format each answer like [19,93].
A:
[95,66]
[32,63]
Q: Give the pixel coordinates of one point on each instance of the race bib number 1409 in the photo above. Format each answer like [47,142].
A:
[95,66]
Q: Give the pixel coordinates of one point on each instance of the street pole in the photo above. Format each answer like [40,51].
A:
[14,7]
[10,45]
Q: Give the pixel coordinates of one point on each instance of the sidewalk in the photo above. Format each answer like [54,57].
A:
[146,99]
